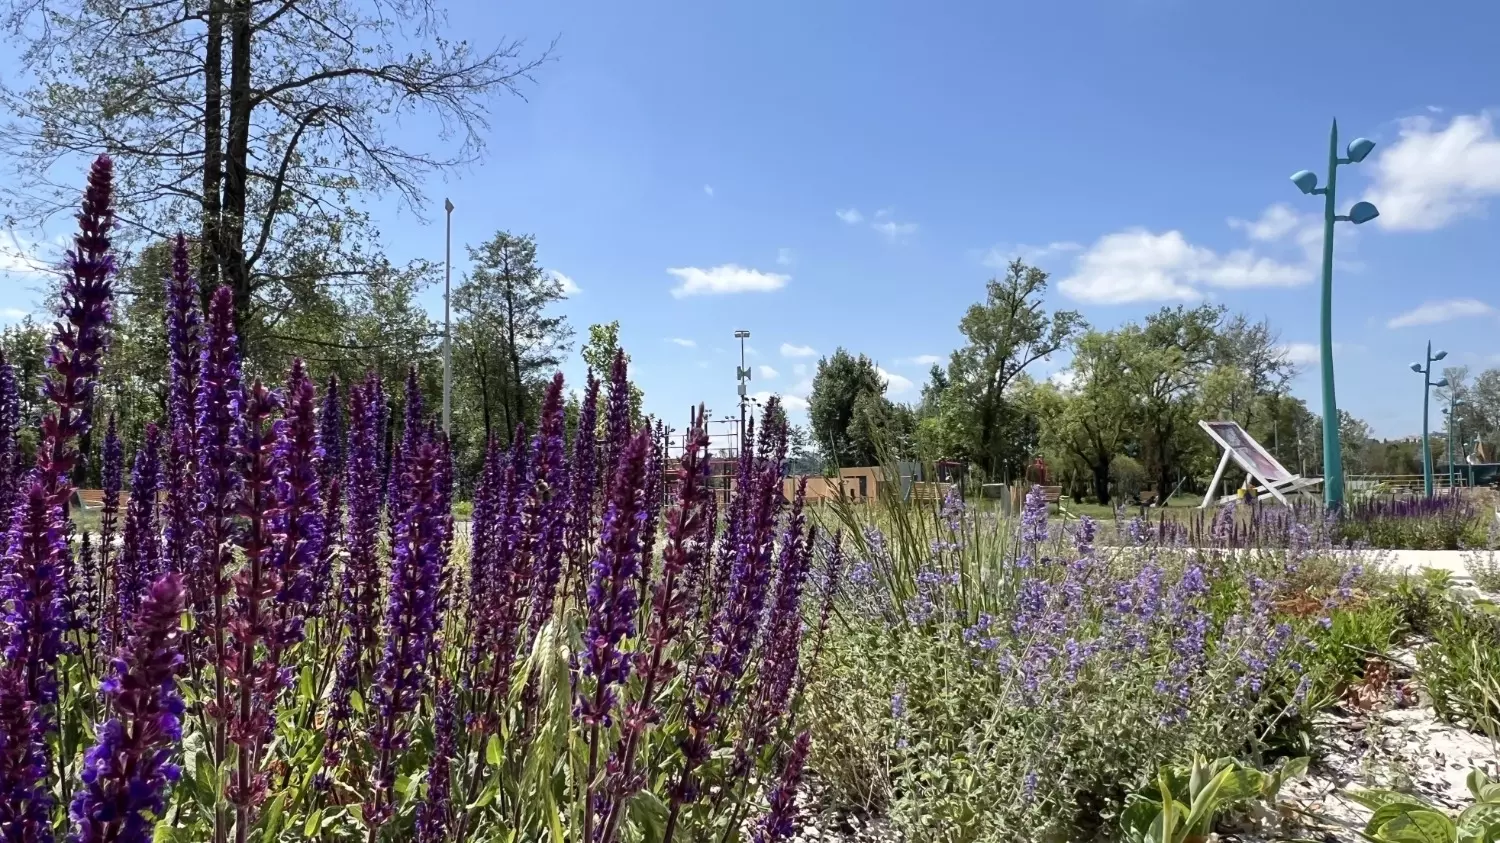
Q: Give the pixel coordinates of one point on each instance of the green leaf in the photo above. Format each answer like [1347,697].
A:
[272,815]
[1476,781]
[1490,792]
[1479,817]
[357,702]
[1419,827]
[492,751]
[1389,811]
[1373,799]
[1294,768]
[1206,803]
[314,821]
[485,797]
[1139,812]
[648,814]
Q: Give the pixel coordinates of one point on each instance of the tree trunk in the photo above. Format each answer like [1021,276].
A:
[213,144]
[236,166]
[1101,482]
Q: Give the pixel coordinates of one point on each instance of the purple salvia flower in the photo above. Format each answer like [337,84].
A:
[412,621]
[331,473]
[507,579]
[127,772]
[109,521]
[612,598]
[80,334]
[584,480]
[411,435]
[548,504]
[654,467]
[179,551]
[780,821]
[86,589]
[781,642]
[31,592]
[484,521]
[10,427]
[255,677]
[298,528]
[359,585]
[184,324]
[617,420]
[434,814]
[140,552]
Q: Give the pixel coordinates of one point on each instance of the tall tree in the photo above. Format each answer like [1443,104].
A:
[1004,334]
[598,354]
[277,160]
[846,408]
[511,339]
[1088,421]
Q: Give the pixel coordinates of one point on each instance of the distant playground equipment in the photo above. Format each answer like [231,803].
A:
[1265,474]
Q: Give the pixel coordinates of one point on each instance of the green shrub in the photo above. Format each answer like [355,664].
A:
[1460,668]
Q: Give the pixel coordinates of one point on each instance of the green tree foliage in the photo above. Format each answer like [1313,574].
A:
[848,409]
[599,355]
[1004,334]
[505,334]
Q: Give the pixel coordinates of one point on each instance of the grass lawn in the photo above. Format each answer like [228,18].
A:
[1180,506]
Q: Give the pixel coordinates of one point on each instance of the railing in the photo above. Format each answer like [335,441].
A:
[1404,482]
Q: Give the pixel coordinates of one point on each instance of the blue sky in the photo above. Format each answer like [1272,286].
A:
[850,173]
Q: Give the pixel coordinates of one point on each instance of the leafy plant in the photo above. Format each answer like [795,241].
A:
[1185,802]
[1403,818]
[1460,668]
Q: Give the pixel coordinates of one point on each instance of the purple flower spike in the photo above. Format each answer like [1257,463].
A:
[298,528]
[435,812]
[179,552]
[617,421]
[780,822]
[781,643]
[331,472]
[217,479]
[548,505]
[109,523]
[412,621]
[140,556]
[184,325]
[612,599]
[127,772]
[10,427]
[584,477]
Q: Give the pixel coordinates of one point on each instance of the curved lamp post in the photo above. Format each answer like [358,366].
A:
[1362,212]
[1455,432]
[1427,384]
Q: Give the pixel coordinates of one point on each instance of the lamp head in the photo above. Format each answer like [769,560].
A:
[741,334]
[1305,180]
[1416,367]
[1440,382]
[1440,355]
[1359,149]
[1363,212]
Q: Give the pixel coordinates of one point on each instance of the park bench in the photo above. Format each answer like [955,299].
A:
[928,492]
[1052,495]
[92,499]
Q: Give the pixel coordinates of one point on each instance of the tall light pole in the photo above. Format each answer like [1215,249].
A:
[1362,212]
[447,321]
[1427,384]
[1455,431]
[742,375]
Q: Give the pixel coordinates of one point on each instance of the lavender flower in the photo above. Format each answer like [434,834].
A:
[412,621]
[330,476]
[781,642]
[584,478]
[298,526]
[179,551]
[780,822]
[140,555]
[1034,518]
[617,421]
[126,773]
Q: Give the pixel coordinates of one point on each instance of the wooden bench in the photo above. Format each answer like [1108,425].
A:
[1052,495]
[927,492]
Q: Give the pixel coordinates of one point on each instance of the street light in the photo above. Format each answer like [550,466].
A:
[1455,431]
[1427,384]
[742,374]
[447,321]
[1362,212]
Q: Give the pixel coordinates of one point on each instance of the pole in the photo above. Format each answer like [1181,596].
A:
[447,321]
[1333,462]
[1426,443]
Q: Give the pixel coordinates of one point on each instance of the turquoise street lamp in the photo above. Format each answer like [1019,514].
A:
[1362,212]
[1427,384]
[1455,431]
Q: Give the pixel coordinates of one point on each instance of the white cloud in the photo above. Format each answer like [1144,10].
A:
[789,350]
[852,216]
[569,288]
[682,342]
[799,369]
[894,231]
[789,402]
[1137,265]
[709,190]
[1064,379]
[767,372]
[894,383]
[1433,312]
[785,256]
[923,360]
[1430,176]
[13,313]
[1301,353]
[725,279]
[1000,256]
